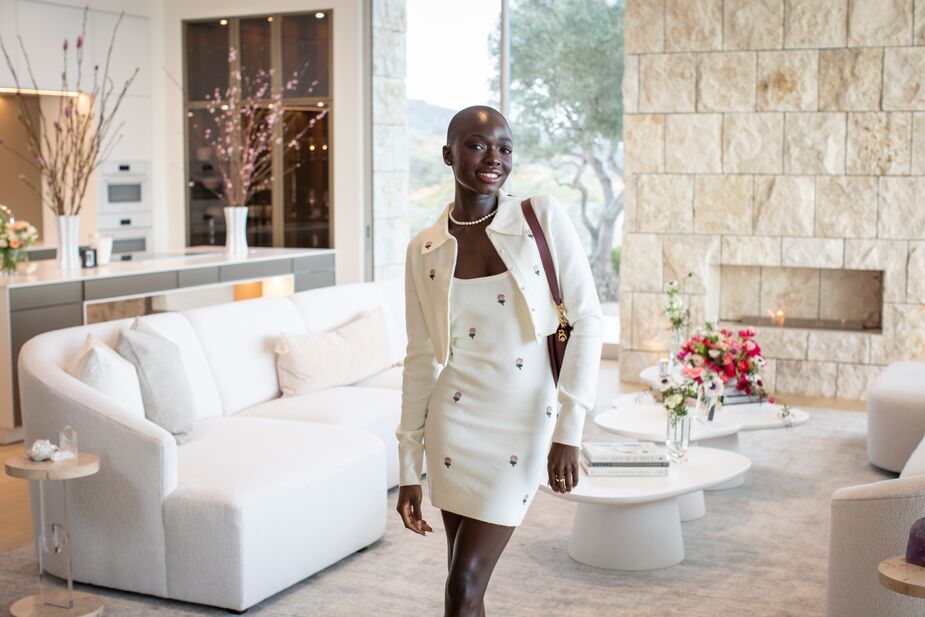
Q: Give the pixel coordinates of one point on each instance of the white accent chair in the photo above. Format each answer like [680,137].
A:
[267,491]
[871,522]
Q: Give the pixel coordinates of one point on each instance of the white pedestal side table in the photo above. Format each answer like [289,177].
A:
[634,523]
[63,603]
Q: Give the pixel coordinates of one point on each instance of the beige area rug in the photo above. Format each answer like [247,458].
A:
[759,552]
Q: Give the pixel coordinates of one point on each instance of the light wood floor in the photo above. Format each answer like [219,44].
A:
[16,526]
[15,523]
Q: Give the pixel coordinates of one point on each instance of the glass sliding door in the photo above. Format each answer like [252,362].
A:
[291,53]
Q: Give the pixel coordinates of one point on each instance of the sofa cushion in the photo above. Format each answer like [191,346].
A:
[254,502]
[351,301]
[238,340]
[104,370]
[165,388]
[312,361]
[389,378]
[377,410]
[176,328]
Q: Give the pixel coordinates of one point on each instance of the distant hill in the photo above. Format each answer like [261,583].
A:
[428,119]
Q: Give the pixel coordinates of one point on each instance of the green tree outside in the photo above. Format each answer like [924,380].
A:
[567,110]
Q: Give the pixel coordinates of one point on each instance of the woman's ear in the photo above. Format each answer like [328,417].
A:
[447,156]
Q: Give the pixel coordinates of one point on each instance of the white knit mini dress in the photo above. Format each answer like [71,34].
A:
[491,416]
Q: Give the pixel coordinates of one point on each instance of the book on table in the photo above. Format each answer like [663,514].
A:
[624,469]
[623,452]
[614,458]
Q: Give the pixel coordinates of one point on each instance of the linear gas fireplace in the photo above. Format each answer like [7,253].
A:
[803,298]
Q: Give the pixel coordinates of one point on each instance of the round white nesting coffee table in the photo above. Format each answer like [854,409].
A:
[648,422]
[650,376]
[758,416]
[634,523]
[62,603]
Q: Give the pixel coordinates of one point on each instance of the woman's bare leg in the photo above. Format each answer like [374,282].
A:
[451,522]
[476,550]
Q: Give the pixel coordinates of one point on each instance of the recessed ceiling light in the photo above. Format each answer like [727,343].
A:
[324,147]
[319,15]
[270,18]
[320,103]
[311,147]
[223,22]
[224,108]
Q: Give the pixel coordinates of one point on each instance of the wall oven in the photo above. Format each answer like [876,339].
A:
[124,205]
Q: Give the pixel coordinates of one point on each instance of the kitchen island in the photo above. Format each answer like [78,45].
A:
[47,298]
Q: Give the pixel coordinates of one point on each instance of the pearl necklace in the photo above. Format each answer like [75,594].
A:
[476,221]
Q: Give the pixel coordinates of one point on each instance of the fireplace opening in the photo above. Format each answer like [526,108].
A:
[806,298]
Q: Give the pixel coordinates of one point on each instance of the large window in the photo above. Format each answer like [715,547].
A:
[560,64]
[295,209]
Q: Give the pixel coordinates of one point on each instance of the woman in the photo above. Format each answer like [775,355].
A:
[478,303]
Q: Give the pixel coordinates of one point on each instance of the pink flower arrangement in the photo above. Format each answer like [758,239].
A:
[730,357]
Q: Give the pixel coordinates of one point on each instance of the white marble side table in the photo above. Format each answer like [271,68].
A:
[63,603]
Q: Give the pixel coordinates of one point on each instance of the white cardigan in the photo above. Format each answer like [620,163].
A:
[429,267]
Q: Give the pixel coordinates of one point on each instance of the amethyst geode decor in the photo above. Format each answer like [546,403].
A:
[915,549]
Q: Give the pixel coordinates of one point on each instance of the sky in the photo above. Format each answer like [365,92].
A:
[447,45]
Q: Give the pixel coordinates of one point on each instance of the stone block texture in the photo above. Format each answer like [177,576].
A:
[775,152]
[390,131]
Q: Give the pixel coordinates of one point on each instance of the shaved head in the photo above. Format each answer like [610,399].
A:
[477,114]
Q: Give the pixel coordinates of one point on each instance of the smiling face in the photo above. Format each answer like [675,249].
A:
[480,149]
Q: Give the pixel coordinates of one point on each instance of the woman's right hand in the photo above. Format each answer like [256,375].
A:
[409,508]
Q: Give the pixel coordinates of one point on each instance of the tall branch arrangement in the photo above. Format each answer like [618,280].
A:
[242,129]
[67,150]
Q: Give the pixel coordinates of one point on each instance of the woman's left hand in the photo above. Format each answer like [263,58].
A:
[562,467]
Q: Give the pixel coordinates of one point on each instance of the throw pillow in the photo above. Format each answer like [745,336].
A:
[339,357]
[101,368]
[165,388]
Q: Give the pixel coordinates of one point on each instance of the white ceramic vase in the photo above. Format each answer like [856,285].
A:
[236,231]
[68,246]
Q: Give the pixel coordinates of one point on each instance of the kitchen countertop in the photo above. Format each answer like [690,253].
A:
[47,271]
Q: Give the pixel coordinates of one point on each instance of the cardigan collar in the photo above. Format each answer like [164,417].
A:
[507,220]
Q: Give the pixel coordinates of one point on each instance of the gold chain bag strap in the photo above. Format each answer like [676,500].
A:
[558,339]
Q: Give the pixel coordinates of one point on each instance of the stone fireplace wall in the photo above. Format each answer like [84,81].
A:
[776,133]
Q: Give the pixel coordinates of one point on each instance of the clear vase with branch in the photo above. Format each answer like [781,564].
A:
[243,125]
[67,150]
[680,316]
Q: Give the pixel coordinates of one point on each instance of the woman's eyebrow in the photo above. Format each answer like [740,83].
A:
[479,135]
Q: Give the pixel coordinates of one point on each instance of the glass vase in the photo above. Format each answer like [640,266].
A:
[678,436]
[677,338]
[11,257]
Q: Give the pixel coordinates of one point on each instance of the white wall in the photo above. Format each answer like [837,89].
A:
[350,175]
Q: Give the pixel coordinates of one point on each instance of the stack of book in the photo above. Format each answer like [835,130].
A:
[608,458]
[732,396]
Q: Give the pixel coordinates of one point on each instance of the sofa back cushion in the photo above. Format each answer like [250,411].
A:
[340,357]
[238,340]
[101,368]
[176,328]
[328,308]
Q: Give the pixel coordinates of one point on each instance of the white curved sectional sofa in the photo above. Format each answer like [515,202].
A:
[267,491]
